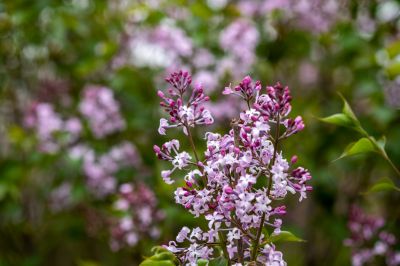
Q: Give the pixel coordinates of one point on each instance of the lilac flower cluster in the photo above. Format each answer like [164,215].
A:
[239,39]
[102,110]
[138,206]
[136,202]
[325,13]
[162,46]
[239,184]
[47,124]
[369,242]
[100,171]
[181,114]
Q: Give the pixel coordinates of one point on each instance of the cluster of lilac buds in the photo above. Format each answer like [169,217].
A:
[139,215]
[102,110]
[239,184]
[370,243]
[185,113]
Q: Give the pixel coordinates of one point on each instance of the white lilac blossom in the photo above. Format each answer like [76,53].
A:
[137,205]
[240,182]
[369,241]
[161,46]
[101,110]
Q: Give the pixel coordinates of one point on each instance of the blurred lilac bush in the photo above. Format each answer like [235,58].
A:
[77,121]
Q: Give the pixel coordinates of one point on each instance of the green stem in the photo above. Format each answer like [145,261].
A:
[391,163]
[258,236]
[190,137]
[236,139]
[382,152]
[192,143]
[223,246]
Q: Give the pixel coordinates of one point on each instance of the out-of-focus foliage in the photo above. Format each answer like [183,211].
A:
[50,51]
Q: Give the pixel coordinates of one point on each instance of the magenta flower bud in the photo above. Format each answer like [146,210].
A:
[236,150]
[188,205]
[294,159]
[246,80]
[281,210]
[297,187]
[231,208]
[189,184]
[247,129]
[156,149]
[160,94]
[228,190]
[212,205]
[309,188]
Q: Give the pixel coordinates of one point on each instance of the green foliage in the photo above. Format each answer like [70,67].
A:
[220,261]
[362,145]
[347,118]
[161,257]
[283,236]
[384,184]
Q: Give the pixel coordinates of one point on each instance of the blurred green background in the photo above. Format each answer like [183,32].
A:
[50,50]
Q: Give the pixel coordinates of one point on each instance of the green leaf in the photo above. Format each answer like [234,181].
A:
[348,111]
[202,262]
[284,236]
[220,261]
[162,257]
[338,119]
[393,69]
[347,118]
[393,49]
[385,184]
[150,262]
[363,145]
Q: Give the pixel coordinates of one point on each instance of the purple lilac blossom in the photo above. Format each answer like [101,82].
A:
[221,187]
[101,170]
[47,123]
[162,46]
[369,241]
[239,40]
[60,197]
[314,15]
[138,205]
[101,110]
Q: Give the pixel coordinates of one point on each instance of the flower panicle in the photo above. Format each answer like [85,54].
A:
[240,181]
